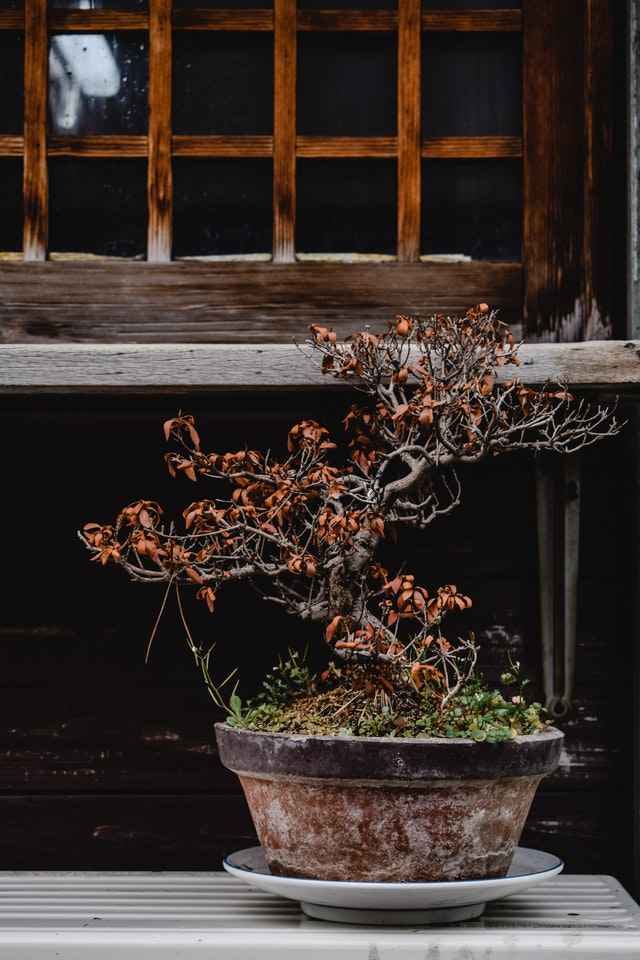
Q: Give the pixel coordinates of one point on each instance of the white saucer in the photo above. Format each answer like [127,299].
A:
[394,903]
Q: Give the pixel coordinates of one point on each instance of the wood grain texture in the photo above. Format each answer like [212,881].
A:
[284,131]
[159,170]
[316,146]
[96,20]
[155,367]
[461,148]
[489,21]
[11,19]
[11,145]
[251,302]
[209,145]
[567,151]
[347,20]
[36,184]
[212,19]
[102,145]
[409,130]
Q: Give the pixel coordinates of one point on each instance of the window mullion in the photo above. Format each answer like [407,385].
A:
[36,185]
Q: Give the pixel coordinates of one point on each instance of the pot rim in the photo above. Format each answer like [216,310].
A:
[260,753]
[551,733]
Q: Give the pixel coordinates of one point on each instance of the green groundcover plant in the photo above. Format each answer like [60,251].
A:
[306,530]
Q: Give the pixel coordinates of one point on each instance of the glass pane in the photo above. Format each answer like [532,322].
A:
[98,83]
[471,4]
[472,208]
[10,205]
[99,4]
[347,84]
[98,206]
[11,4]
[222,207]
[223,83]
[346,206]
[471,84]
[11,81]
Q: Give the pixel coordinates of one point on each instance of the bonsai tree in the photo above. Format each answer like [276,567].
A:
[306,530]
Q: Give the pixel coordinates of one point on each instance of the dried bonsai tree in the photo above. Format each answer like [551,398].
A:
[306,531]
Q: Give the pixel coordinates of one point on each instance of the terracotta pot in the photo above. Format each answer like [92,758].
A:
[386,809]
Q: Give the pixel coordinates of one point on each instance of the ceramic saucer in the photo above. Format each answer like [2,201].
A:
[394,903]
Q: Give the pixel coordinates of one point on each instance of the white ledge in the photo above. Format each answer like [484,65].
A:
[139,916]
[73,367]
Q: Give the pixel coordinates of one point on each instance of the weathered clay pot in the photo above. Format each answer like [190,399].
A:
[386,809]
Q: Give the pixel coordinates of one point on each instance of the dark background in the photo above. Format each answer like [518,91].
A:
[108,763]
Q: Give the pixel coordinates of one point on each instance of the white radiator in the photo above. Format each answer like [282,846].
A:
[131,916]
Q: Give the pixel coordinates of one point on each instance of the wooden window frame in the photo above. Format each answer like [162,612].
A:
[558,291]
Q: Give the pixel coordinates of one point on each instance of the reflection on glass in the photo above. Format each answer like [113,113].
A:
[346,207]
[10,205]
[222,207]
[98,206]
[347,84]
[11,82]
[98,83]
[471,84]
[223,83]
[472,208]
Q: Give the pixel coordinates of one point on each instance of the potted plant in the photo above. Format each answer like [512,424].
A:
[395,762]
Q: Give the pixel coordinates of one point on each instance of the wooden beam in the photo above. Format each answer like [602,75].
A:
[159,172]
[239,145]
[96,21]
[472,148]
[223,302]
[409,130]
[211,19]
[347,20]
[493,21]
[163,368]
[36,183]
[284,131]
[569,242]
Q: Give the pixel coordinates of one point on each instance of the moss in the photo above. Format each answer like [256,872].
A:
[351,701]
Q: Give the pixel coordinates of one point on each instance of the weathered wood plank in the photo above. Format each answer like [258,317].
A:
[568,242]
[473,20]
[159,170]
[284,131]
[347,20]
[36,182]
[257,302]
[162,367]
[409,131]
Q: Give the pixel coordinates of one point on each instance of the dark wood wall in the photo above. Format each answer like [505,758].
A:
[108,763]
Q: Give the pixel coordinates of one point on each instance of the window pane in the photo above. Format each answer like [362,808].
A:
[12,82]
[471,84]
[346,206]
[347,84]
[222,207]
[98,206]
[98,83]
[10,205]
[473,208]
[223,83]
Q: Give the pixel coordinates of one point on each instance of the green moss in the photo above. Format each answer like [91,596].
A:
[348,701]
